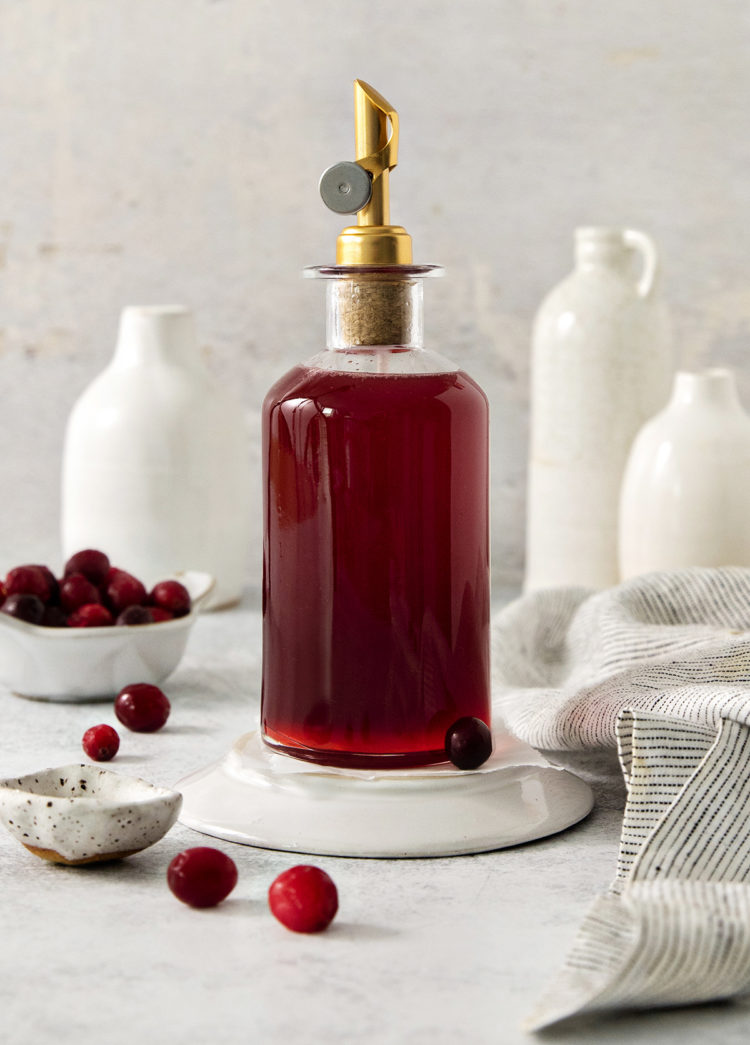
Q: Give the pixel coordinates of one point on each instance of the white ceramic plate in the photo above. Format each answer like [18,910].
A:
[259,797]
[79,664]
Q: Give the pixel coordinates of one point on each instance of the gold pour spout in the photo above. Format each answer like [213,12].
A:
[373,240]
[375,150]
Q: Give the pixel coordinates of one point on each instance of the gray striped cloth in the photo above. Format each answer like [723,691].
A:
[674,928]
[660,668]
[567,661]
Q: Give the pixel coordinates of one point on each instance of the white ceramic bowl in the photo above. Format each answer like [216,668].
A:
[79,664]
[83,814]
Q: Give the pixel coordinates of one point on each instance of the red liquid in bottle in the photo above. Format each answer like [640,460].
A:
[376,564]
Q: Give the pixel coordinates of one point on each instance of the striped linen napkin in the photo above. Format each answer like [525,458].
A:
[568,660]
[674,928]
[659,668]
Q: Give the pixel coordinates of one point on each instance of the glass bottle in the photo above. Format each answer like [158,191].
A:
[376,532]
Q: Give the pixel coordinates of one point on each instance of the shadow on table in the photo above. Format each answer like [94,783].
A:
[652,1025]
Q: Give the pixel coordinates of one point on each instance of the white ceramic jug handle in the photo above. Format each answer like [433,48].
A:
[647,249]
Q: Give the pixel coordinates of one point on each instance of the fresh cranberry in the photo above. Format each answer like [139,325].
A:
[54,617]
[304,899]
[30,580]
[52,583]
[101,743]
[24,607]
[76,590]
[142,707]
[468,743]
[90,615]
[123,590]
[92,564]
[202,877]
[159,615]
[135,615]
[172,596]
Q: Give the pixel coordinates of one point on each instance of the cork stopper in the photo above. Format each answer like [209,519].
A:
[374,310]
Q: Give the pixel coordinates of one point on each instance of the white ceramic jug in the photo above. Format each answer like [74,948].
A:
[155,464]
[686,491]
[601,366]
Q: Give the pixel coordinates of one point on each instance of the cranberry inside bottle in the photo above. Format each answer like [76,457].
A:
[376,557]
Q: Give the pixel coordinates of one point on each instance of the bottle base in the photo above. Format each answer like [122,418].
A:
[357,759]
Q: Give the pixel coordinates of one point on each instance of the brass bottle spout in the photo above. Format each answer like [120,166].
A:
[375,149]
[363,186]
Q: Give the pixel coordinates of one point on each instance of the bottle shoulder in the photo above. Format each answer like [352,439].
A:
[601,314]
[589,289]
[332,390]
[385,359]
[377,362]
[117,399]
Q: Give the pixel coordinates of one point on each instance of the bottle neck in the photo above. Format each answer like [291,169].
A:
[713,388]
[157,334]
[602,247]
[366,311]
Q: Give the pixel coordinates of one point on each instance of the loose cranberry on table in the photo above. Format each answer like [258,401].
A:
[31,580]
[90,615]
[94,565]
[202,877]
[101,743]
[304,899]
[172,596]
[468,743]
[142,707]
[76,590]
[122,590]
[24,607]
[134,615]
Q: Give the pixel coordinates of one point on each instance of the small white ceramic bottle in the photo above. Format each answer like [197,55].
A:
[686,491]
[155,464]
[601,366]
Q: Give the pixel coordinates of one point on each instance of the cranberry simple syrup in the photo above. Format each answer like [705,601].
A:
[376,563]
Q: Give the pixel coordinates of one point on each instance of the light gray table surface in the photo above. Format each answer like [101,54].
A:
[422,951]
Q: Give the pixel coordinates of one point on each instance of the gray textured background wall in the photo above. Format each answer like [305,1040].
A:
[169,150]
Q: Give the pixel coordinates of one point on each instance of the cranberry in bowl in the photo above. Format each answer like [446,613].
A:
[82,658]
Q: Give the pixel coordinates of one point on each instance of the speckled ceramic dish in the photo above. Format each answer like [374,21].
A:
[79,664]
[81,814]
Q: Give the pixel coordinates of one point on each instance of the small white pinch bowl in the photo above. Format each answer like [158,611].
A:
[80,814]
[82,664]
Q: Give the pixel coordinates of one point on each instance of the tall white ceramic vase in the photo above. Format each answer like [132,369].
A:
[686,491]
[601,366]
[155,463]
